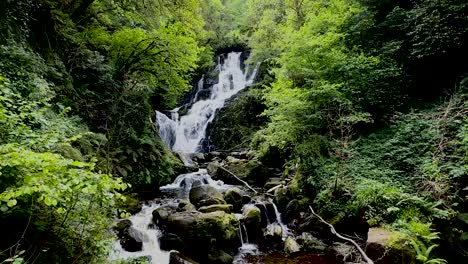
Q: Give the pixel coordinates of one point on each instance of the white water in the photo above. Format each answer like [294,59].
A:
[284,228]
[142,230]
[185,134]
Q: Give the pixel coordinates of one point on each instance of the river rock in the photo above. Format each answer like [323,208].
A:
[291,246]
[204,195]
[216,207]
[253,222]
[161,215]
[234,196]
[170,242]
[121,228]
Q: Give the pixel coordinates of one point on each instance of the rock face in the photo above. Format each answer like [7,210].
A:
[204,195]
[382,252]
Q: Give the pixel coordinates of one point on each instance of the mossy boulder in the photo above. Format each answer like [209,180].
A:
[234,196]
[204,195]
[386,247]
[252,218]
[204,233]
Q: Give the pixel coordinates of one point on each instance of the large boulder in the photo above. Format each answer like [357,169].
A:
[128,238]
[234,196]
[204,195]
[252,218]
[204,233]
[382,251]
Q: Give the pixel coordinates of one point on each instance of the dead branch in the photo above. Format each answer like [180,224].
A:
[366,258]
[239,179]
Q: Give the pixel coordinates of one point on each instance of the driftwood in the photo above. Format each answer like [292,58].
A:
[364,255]
[239,179]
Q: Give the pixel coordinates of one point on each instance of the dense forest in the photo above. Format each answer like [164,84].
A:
[362,105]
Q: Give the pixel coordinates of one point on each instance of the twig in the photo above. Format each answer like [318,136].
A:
[239,179]
[366,258]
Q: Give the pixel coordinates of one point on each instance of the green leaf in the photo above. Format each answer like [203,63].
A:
[12,203]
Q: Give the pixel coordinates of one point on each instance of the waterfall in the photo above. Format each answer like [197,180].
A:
[143,230]
[284,228]
[185,133]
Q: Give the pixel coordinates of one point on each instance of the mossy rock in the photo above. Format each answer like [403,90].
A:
[131,204]
[227,208]
[234,196]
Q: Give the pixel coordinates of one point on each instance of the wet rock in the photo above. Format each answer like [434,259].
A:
[205,195]
[144,259]
[264,214]
[130,240]
[291,246]
[234,196]
[310,243]
[170,242]
[381,251]
[273,235]
[121,228]
[220,257]
[227,208]
[161,215]
[253,223]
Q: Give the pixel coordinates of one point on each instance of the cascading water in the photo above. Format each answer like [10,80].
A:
[184,134]
[144,231]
